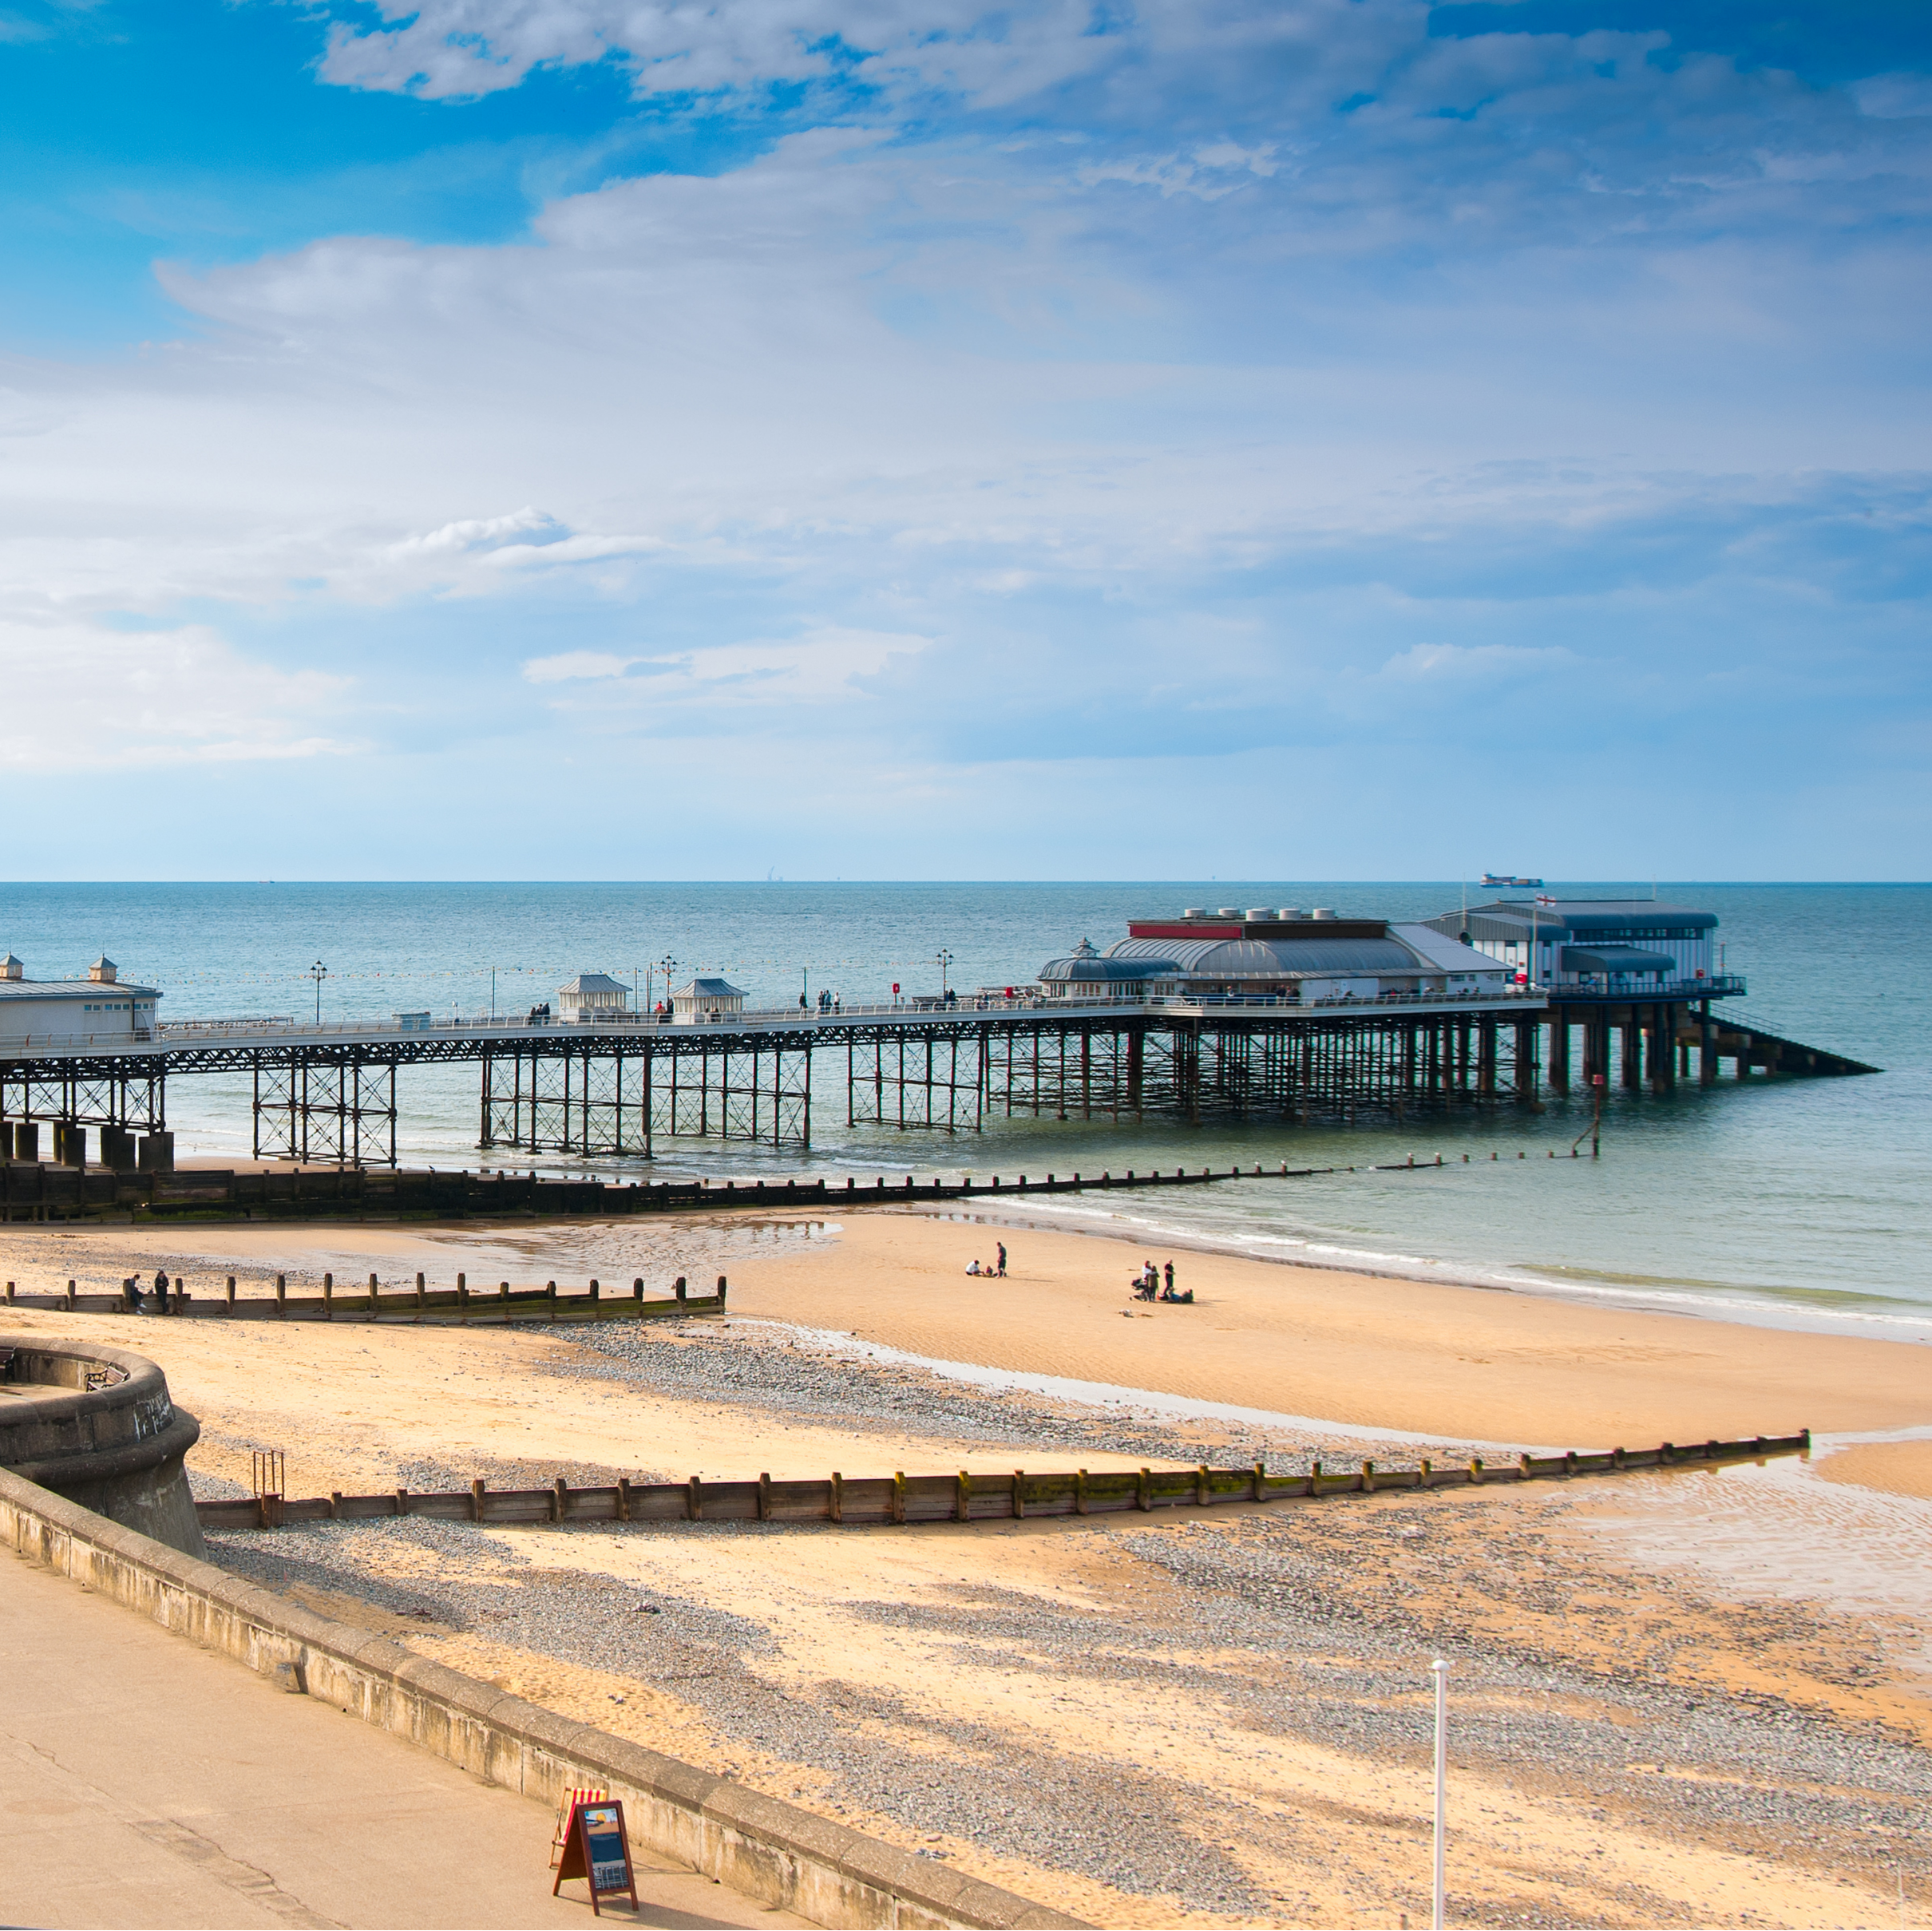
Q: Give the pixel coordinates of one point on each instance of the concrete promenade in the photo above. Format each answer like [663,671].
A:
[148,1783]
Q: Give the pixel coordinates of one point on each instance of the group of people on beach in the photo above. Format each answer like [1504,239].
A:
[993,1269]
[1149,1285]
[131,1288]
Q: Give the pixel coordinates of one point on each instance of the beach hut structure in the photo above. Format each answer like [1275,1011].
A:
[592,996]
[706,999]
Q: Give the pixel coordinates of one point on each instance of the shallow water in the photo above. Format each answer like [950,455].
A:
[1802,1202]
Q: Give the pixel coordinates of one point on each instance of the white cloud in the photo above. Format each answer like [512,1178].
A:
[1894,96]
[442,48]
[1473,663]
[520,527]
[822,665]
[1208,173]
[84,697]
[568,666]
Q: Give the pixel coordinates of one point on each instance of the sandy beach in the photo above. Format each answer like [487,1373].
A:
[1219,1720]
[1419,1358]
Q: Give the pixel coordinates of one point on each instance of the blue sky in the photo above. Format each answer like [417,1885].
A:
[590,438]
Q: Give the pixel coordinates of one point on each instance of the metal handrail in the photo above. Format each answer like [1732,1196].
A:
[1720,985]
[280,1029]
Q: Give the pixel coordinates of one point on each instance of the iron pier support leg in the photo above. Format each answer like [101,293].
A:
[1633,1073]
[1559,1048]
[1707,1047]
[483,1139]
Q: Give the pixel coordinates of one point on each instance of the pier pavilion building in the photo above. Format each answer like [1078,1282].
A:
[1280,954]
[98,1006]
[1631,946]
[1636,968]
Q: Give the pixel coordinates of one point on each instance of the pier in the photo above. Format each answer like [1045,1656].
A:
[1261,1012]
[327,1095]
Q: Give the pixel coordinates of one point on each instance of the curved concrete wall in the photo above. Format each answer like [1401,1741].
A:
[96,1425]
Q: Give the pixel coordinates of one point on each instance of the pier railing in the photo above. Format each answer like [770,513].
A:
[1722,985]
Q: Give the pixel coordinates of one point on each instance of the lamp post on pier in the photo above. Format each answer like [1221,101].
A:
[318,972]
[670,966]
[945,960]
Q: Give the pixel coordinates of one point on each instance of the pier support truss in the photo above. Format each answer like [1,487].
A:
[940,1082]
[328,1107]
[1200,1069]
[133,1094]
[1082,1071]
[595,1097]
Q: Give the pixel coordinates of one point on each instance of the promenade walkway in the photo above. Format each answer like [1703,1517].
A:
[148,1783]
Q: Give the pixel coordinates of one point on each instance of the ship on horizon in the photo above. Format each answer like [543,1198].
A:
[1492,880]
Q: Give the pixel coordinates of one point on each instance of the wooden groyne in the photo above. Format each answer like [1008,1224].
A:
[461,1305]
[31,1191]
[875,1500]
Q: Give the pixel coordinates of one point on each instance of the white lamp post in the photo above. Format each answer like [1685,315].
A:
[1440,1671]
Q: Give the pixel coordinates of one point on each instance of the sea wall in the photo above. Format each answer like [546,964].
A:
[761,1846]
[96,1425]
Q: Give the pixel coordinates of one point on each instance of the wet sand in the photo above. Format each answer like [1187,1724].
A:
[1411,1357]
[1403,1356]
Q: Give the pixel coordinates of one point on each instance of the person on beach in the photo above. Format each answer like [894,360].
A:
[160,1290]
[130,1287]
[973,1267]
[1001,1245]
[1171,1280]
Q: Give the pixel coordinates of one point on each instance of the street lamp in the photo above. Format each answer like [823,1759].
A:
[670,966]
[945,960]
[1440,1671]
[318,972]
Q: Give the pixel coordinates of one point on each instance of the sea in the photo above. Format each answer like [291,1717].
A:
[1795,1203]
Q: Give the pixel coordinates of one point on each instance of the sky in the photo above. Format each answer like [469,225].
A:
[1087,439]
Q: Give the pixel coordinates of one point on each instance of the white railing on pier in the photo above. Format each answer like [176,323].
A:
[281,1030]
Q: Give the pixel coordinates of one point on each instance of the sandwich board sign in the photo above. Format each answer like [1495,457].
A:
[596,1848]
